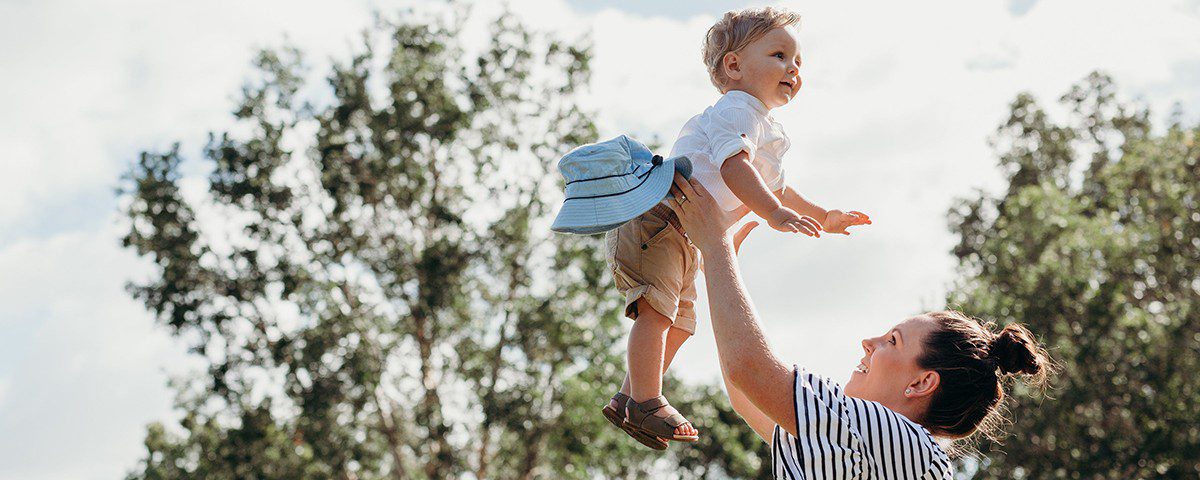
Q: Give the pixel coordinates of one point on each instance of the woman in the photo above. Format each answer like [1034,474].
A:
[936,375]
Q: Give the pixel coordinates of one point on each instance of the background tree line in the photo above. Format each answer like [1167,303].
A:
[1095,244]
[375,290]
[376,294]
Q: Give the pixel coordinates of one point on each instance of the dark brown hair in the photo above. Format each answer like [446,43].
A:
[974,362]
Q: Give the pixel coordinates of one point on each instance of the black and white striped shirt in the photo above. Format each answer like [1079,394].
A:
[843,437]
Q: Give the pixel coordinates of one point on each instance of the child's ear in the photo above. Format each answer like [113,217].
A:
[732,65]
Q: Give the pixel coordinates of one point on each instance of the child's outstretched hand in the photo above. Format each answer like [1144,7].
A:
[787,220]
[836,221]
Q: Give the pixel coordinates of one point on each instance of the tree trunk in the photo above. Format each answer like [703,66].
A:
[431,405]
[494,375]
[529,462]
[391,431]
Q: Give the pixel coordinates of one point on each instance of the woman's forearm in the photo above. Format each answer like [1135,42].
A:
[741,344]
[755,418]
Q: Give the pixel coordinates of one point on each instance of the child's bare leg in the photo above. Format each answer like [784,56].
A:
[675,339]
[647,349]
[647,346]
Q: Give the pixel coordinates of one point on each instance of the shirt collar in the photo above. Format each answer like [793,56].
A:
[743,98]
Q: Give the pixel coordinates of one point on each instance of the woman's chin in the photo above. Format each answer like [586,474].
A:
[851,387]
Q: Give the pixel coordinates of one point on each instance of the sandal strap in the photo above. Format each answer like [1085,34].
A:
[651,405]
[641,412]
[621,399]
[675,420]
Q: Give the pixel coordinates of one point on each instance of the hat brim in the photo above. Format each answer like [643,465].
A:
[588,216]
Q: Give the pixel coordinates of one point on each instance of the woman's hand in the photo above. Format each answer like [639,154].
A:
[703,220]
[741,234]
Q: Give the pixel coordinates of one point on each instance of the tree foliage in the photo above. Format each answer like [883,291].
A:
[368,274]
[1095,245]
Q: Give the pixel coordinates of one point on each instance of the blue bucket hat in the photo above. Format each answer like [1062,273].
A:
[612,182]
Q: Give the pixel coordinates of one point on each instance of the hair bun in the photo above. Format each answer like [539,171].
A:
[1015,351]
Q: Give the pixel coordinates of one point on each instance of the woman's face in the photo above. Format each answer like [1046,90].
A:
[889,364]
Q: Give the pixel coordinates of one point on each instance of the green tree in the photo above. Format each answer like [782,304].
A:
[369,276]
[1096,246]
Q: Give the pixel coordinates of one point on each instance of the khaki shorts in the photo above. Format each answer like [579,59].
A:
[651,258]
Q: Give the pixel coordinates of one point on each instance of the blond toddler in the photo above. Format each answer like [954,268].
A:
[736,149]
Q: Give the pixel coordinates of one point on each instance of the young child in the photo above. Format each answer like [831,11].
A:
[736,149]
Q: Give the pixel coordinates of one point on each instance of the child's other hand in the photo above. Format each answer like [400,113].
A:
[787,220]
[836,221]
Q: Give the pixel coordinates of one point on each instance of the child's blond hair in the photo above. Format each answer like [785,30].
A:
[737,29]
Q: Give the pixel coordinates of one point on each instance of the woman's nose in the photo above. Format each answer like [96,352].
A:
[867,346]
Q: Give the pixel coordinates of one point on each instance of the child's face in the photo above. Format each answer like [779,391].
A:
[767,68]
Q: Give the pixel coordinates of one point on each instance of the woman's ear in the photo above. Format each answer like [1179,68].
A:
[924,385]
[732,65]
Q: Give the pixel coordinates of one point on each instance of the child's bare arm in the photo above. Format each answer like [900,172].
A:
[792,199]
[748,185]
[745,183]
[833,221]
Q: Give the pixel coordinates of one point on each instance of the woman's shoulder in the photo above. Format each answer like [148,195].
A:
[828,387]
[814,387]
[887,440]
[893,441]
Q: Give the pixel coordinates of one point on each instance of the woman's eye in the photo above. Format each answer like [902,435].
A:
[892,340]
[779,56]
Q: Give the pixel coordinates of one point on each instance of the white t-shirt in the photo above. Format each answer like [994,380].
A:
[844,437]
[737,122]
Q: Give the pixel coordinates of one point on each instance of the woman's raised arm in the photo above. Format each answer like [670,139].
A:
[747,360]
[755,418]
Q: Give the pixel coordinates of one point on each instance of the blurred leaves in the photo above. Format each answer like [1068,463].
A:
[369,276]
[1095,246]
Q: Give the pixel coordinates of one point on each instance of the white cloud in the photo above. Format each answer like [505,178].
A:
[897,104]
[94,82]
[84,369]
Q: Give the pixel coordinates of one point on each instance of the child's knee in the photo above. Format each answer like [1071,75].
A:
[648,316]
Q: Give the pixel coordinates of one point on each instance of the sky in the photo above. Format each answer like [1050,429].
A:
[898,102]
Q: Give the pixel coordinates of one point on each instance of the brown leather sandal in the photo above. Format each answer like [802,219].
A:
[616,416]
[640,417]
